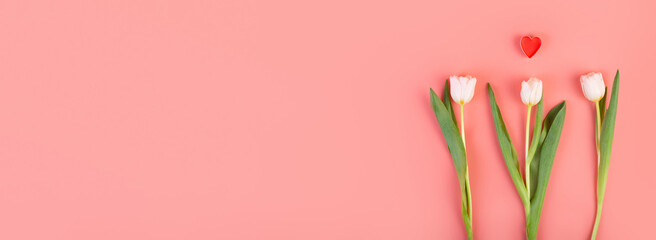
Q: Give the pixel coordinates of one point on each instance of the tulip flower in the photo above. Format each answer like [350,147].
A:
[461,90]
[531,94]
[531,91]
[593,86]
[594,90]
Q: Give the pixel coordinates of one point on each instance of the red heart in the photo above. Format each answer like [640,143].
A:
[530,45]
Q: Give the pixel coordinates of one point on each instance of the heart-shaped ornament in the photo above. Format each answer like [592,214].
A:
[530,45]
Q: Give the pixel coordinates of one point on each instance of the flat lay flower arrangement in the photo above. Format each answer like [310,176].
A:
[540,143]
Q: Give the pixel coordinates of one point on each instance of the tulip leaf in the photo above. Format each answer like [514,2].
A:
[535,143]
[605,147]
[451,135]
[446,99]
[608,131]
[507,148]
[553,126]
[537,126]
[535,164]
[602,104]
[602,113]
[446,120]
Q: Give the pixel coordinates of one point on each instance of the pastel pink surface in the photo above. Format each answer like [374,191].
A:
[307,120]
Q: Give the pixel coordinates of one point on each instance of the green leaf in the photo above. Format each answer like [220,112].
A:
[553,126]
[507,148]
[468,225]
[608,131]
[535,163]
[602,111]
[537,126]
[606,144]
[535,143]
[446,98]
[451,134]
[602,104]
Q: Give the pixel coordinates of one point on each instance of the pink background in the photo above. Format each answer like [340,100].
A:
[292,119]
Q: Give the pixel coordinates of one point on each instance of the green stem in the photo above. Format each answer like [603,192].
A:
[597,219]
[462,132]
[469,199]
[598,136]
[527,211]
[527,162]
[527,172]
[462,124]
[600,186]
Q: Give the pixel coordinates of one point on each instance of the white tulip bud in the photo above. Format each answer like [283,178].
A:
[462,88]
[531,91]
[593,86]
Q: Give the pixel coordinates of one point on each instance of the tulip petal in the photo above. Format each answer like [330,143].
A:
[524,93]
[601,87]
[463,89]
[536,94]
[471,87]
[585,88]
[455,89]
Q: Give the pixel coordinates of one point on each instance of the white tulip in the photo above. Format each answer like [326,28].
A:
[531,91]
[462,88]
[593,86]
